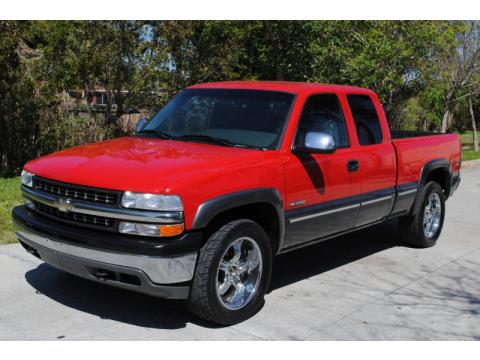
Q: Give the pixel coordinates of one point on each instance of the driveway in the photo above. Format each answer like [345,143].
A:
[359,287]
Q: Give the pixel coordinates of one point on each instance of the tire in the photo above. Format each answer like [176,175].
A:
[413,230]
[205,300]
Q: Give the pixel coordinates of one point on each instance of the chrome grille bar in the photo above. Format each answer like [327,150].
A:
[63,189]
[158,217]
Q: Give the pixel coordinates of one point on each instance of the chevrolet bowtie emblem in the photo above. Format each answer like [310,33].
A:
[63,205]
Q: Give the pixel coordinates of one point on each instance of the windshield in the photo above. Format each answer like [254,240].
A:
[244,118]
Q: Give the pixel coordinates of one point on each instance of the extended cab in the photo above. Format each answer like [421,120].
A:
[227,175]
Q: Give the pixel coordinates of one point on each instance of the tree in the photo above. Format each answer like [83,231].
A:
[19,104]
[423,71]
[458,69]
[391,57]
[87,55]
[189,52]
[108,57]
[277,50]
[474,125]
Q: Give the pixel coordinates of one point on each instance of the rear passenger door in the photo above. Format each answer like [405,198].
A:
[375,178]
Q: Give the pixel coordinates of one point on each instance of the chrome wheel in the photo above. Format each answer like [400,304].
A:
[239,273]
[432,215]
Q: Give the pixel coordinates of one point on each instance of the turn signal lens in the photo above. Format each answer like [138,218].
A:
[171,230]
[150,229]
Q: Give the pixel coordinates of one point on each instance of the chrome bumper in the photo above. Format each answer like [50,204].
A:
[160,270]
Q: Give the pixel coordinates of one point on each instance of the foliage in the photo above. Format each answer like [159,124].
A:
[389,57]
[64,129]
[141,64]
[19,105]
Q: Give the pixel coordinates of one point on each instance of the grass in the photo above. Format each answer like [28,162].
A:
[467,138]
[9,197]
[469,154]
[467,146]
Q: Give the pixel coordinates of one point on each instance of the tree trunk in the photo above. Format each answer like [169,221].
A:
[447,115]
[109,119]
[474,126]
[445,120]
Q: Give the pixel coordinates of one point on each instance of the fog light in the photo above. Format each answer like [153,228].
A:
[150,229]
[29,204]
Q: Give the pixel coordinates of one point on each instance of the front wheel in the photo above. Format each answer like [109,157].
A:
[424,227]
[232,274]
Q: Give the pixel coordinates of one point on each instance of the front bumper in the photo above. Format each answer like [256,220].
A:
[152,273]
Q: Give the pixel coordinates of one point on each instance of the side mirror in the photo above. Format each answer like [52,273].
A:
[141,124]
[319,142]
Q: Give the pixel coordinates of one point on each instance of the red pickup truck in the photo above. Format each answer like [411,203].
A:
[227,175]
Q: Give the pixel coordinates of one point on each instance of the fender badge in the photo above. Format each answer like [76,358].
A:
[297,203]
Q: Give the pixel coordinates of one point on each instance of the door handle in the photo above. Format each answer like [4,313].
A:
[353,165]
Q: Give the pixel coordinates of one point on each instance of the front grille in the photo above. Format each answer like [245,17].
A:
[72,216]
[76,192]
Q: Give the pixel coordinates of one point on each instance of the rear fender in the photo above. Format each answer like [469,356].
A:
[427,169]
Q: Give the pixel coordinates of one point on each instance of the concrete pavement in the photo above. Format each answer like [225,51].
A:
[360,287]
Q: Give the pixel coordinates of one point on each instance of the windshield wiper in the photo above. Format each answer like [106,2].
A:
[160,134]
[208,138]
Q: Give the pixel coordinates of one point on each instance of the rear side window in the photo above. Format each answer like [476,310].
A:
[366,119]
[322,113]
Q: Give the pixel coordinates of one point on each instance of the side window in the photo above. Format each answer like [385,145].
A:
[322,113]
[366,119]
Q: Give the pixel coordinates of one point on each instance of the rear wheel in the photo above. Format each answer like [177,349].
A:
[424,227]
[233,273]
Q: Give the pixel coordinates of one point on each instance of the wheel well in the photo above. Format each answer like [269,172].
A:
[262,213]
[440,176]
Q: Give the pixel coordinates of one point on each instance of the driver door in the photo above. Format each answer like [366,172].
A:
[319,188]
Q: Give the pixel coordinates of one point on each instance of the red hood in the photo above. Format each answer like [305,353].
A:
[138,164]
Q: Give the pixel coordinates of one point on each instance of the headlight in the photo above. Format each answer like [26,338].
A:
[151,201]
[150,229]
[27,178]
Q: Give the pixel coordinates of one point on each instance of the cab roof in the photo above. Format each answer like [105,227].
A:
[285,86]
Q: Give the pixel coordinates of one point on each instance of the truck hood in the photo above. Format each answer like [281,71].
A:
[139,164]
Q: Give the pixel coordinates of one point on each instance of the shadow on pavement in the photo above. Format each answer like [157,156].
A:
[136,309]
[322,257]
[108,302]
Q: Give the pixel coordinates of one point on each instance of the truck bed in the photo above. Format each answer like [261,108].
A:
[415,148]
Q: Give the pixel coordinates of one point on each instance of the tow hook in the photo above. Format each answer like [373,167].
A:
[102,275]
